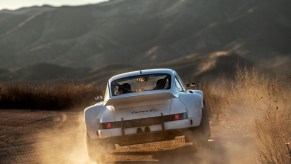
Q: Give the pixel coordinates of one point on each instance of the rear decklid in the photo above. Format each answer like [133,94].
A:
[141,104]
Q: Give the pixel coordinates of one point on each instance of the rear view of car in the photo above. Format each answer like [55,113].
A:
[145,106]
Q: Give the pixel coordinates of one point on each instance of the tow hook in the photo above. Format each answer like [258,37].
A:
[191,121]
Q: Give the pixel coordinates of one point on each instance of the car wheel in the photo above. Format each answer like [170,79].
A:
[199,135]
[97,149]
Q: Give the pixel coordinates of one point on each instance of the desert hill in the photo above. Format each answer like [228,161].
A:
[135,34]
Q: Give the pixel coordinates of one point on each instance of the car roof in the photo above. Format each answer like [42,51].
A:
[142,72]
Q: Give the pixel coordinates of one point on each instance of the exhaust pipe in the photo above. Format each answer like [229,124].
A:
[147,130]
[138,131]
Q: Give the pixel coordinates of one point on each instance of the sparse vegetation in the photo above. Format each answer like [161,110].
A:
[259,105]
[256,105]
[273,130]
[47,96]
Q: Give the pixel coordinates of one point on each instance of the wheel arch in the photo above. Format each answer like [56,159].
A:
[193,100]
[91,117]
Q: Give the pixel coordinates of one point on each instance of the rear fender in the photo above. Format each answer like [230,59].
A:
[177,106]
[92,118]
[107,115]
[193,100]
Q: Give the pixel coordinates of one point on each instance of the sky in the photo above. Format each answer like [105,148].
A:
[15,4]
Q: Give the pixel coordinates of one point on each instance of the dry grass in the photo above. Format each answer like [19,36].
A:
[256,105]
[273,130]
[47,96]
[252,105]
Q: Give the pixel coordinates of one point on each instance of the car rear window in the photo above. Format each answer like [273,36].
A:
[141,83]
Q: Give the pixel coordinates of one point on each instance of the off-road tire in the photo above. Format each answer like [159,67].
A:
[97,149]
[199,135]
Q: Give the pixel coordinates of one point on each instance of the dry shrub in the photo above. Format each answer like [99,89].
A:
[46,96]
[258,106]
[273,130]
[242,94]
[270,100]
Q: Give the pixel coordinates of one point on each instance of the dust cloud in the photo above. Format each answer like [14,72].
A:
[64,142]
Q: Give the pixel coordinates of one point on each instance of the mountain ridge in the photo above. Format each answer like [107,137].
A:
[147,32]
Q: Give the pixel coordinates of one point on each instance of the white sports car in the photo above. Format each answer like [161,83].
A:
[145,106]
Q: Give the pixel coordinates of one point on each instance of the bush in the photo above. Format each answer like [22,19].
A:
[257,105]
[46,96]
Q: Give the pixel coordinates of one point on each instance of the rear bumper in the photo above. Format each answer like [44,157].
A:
[158,132]
[146,137]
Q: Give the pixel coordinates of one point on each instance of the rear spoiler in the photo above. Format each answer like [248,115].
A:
[140,97]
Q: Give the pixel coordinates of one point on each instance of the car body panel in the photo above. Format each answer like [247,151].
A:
[92,117]
[107,133]
[152,109]
[139,98]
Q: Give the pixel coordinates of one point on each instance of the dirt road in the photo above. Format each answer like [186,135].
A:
[58,137]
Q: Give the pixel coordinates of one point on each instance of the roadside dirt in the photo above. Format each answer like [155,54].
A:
[59,137]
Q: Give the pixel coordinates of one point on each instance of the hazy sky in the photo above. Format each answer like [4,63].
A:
[15,4]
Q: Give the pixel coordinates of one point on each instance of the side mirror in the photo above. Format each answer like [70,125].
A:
[98,98]
[191,85]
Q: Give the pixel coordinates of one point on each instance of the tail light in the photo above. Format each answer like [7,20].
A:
[177,117]
[106,125]
[180,116]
